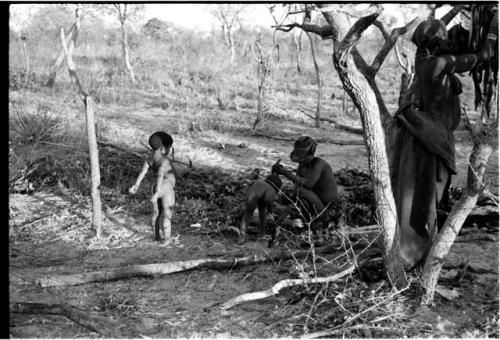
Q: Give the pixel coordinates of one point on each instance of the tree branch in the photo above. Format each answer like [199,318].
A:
[103,326]
[354,33]
[284,284]
[325,32]
[399,58]
[71,66]
[360,61]
[390,41]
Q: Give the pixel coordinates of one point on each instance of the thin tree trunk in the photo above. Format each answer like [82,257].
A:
[318,77]
[445,239]
[260,103]
[363,96]
[125,50]
[26,60]
[232,49]
[94,167]
[93,151]
[297,39]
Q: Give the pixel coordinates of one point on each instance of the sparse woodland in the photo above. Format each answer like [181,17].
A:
[89,83]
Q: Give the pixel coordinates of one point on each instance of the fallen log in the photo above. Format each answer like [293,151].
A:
[103,326]
[284,284]
[154,269]
[348,128]
[319,140]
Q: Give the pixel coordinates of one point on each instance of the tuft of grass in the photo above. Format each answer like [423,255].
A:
[34,127]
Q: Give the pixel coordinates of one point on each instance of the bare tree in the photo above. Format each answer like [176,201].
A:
[124,13]
[91,134]
[264,64]
[345,38]
[228,16]
[358,80]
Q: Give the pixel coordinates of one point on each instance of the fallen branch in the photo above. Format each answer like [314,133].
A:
[126,272]
[284,284]
[348,128]
[319,140]
[472,237]
[360,230]
[103,326]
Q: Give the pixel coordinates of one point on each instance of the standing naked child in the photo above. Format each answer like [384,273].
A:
[163,198]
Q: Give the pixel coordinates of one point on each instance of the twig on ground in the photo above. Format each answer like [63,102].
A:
[284,284]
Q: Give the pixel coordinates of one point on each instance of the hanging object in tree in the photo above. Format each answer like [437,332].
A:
[485,76]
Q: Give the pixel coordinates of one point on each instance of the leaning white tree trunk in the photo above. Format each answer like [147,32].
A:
[441,246]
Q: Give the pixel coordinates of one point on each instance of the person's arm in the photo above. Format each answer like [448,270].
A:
[309,181]
[143,172]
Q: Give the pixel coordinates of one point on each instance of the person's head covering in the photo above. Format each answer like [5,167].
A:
[303,148]
[429,34]
[159,139]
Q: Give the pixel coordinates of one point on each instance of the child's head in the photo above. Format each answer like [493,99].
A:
[275,180]
[161,142]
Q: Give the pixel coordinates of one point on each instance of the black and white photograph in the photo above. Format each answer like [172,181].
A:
[253,170]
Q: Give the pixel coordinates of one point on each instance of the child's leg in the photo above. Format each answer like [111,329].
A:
[154,219]
[167,202]
[159,221]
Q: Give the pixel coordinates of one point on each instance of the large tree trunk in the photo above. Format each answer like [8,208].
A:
[125,50]
[365,100]
[445,239]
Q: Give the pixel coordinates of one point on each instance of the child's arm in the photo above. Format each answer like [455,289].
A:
[143,172]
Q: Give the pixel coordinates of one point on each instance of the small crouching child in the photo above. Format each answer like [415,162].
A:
[261,195]
[163,195]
